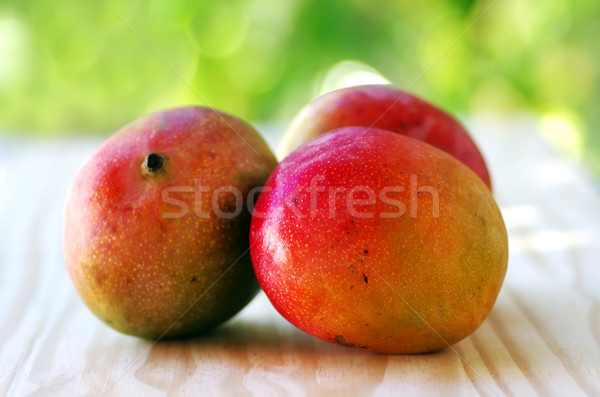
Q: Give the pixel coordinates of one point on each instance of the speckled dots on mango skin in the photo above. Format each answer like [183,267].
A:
[401,284]
[151,275]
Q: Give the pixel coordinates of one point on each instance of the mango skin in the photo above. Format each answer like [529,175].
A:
[403,284]
[388,108]
[142,273]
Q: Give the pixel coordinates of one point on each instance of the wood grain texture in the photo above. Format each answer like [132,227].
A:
[542,338]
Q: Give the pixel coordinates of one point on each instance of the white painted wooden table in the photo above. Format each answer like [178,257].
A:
[542,338]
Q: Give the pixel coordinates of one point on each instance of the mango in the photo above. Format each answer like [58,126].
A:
[156,225]
[372,240]
[388,108]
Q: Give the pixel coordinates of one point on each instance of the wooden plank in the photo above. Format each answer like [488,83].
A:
[542,338]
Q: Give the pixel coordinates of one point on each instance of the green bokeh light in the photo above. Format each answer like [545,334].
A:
[77,68]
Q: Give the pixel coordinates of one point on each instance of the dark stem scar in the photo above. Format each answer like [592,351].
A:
[153,165]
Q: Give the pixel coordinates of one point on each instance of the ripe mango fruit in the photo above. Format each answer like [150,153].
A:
[373,240]
[152,250]
[389,108]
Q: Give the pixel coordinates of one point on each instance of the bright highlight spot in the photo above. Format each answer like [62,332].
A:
[554,173]
[550,240]
[12,45]
[3,172]
[350,74]
[563,132]
[520,216]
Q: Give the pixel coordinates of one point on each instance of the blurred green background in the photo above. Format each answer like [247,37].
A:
[78,67]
